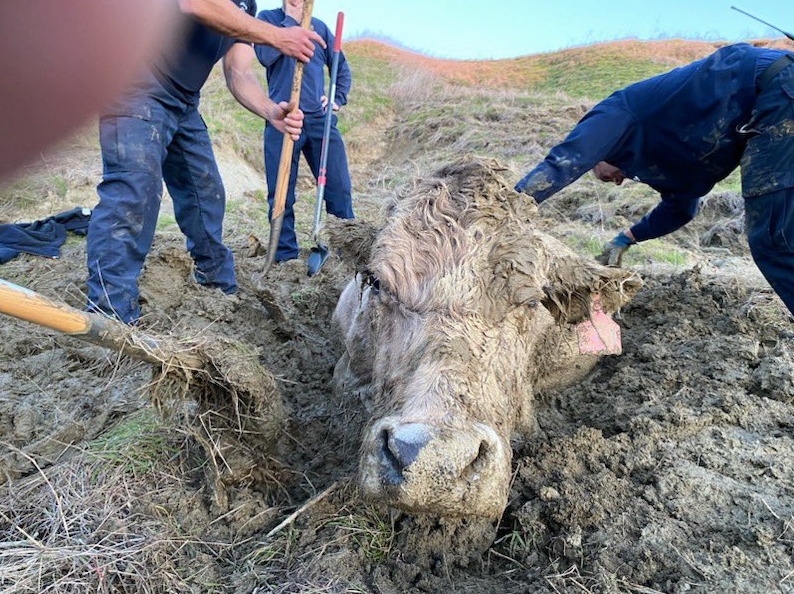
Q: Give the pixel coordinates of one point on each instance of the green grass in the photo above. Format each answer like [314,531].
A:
[654,251]
[515,545]
[732,183]
[586,245]
[164,221]
[594,78]
[374,534]
[138,445]
[369,93]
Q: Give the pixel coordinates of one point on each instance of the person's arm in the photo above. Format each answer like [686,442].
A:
[247,89]
[227,19]
[672,213]
[593,139]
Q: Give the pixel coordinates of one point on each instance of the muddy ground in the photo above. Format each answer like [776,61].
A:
[670,468]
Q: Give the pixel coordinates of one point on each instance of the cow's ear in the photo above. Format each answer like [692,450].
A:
[572,281]
[351,238]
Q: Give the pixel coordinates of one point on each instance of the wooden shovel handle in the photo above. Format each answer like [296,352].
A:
[27,305]
[285,162]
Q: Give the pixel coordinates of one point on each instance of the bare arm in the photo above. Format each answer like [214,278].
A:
[226,18]
[247,89]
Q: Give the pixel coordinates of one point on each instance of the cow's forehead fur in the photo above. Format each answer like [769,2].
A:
[463,229]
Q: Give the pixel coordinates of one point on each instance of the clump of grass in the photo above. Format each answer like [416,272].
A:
[515,545]
[370,530]
[764,308]
[138,445]
[307,297]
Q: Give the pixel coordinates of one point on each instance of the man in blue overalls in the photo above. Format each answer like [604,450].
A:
[280,69]
[684,131]
[155,133]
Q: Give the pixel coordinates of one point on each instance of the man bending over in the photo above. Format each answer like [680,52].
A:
[684,131]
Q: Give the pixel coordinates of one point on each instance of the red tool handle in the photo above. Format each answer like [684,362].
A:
[340,20]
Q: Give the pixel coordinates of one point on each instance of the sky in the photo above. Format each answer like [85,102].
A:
[464,29]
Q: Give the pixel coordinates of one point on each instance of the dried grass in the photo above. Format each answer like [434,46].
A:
[75,528]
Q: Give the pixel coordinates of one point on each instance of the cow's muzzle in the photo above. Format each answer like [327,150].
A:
[445,470]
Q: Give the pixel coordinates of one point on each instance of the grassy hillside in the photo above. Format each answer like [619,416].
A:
[591,71]
[406,113]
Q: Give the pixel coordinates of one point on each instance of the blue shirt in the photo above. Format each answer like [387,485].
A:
[181,72]
[677,132]
[281,68]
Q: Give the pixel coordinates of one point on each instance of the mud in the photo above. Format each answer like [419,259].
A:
[670,468]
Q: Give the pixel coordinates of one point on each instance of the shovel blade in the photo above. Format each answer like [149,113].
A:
[317,258]
[600,335]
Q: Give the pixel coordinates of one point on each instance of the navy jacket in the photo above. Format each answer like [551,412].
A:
[44,237]
[678,132]
[179,72]
[281,68]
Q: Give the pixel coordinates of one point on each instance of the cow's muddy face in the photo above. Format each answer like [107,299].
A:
[441,325]
[425,468]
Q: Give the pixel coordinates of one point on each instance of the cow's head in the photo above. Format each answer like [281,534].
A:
[460,310]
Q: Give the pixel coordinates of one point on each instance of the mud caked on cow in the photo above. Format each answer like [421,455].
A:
[460,312]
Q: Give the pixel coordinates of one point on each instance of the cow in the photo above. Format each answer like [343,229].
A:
[460,312]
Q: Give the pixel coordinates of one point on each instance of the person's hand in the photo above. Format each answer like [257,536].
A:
[297,42]
[285,120]
[324,101]
[614,250]
[608,173]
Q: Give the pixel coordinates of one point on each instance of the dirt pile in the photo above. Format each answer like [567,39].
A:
[670,467]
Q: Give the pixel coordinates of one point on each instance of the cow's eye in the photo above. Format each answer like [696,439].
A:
[373,282]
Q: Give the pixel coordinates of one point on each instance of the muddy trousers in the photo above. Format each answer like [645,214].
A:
[769,220]
[143,143]
[338,200]
[768,185]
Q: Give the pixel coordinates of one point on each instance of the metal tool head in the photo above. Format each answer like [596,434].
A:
[275,235]
[317,258]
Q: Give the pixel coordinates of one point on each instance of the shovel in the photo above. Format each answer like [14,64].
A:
[285,162]
[319,253]
[238,402]
[27,305]
[232,389]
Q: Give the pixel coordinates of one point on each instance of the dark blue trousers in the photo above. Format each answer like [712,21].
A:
[770,233]
[768,185]
[338,201]
[143,143]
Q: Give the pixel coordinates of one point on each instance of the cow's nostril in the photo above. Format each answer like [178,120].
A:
[482,453]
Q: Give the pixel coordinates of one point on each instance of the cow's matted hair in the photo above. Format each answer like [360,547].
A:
[445,218]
